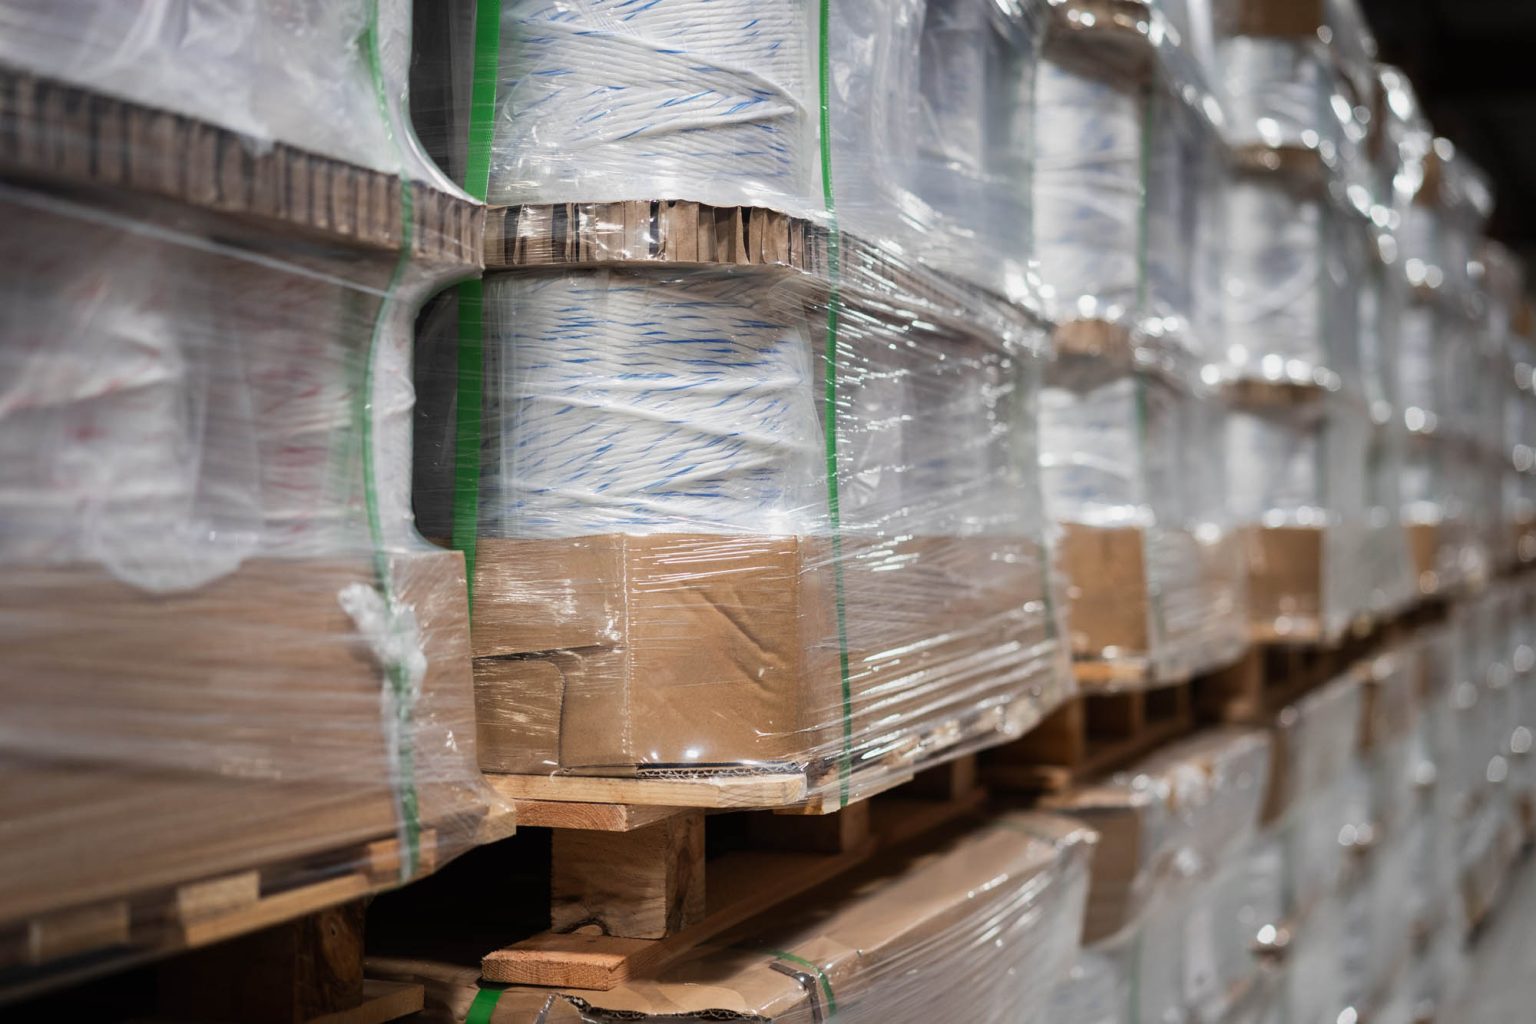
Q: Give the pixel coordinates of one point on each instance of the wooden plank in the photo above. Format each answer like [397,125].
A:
[274,909]
[593,817]
[77,930]
[644,884]
[383,1001]
[739,792]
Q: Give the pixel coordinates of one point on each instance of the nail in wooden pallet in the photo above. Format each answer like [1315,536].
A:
[631,888]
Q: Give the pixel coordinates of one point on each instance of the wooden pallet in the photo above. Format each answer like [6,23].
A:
[1091,736]
[80,942]
[1274,673]
[60,134]
[631,888]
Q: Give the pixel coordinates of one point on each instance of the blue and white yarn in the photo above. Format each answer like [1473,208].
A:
[704,100]
[628,404]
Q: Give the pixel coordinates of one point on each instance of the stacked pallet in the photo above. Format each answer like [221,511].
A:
[236,681]
[955,509]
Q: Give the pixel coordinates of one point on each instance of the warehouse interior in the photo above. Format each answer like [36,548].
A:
[770,511]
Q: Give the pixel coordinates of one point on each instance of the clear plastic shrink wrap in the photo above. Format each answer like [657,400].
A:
[1445,365]
[754,497]
[326,78]
[232,664]
[1167,925]
[985,922]
[1299,244]
[1127,227]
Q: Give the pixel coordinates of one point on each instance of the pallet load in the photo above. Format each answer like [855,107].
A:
[1159,939]
[1298,243]
[1127,227]
[1509,428]
[752,490]
[984,918]
[1443,386]
[237,680]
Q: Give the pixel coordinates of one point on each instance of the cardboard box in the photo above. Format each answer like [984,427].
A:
[1199,798]
[986,920]
[676,652]
[260,674]
[1162,596]
[1313,742]
[158,739]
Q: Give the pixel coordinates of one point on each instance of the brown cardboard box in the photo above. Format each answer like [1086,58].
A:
[155,740]
[261,673]
[1200,797]
[1163,597]
[690,650]
[1300,18]
[986,920]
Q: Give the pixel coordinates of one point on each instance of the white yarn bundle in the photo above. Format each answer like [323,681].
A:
[169,408]
[1274,280]
[1088,192]
[643,404]
[1278,93]
[705,100]
[1107,454]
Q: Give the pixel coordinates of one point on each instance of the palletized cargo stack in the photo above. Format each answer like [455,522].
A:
[1128,229]
[831,393]
[1128,185]
[751,494]
[236,681]
[1298,245]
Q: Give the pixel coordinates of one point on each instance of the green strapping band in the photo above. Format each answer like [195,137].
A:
[834,307]
[484,1006]
[401,690]
[1143,257]
[471,350]
[821,976]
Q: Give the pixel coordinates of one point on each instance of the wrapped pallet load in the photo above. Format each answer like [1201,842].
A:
[1167,930]
[1299,241]
[1128,221]
[986,919]
[237,680]
[752,493]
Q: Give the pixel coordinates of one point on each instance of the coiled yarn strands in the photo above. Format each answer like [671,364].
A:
[633,405]
[703,100]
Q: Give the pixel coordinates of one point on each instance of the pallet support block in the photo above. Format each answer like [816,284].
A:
[304,971]
[643,884]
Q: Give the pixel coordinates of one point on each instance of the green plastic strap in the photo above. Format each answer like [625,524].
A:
[401,691]
[821,977]
[484,1006]
[834,310]
[471,364]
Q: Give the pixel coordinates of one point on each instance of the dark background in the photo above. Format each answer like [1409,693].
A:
[1473,64]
